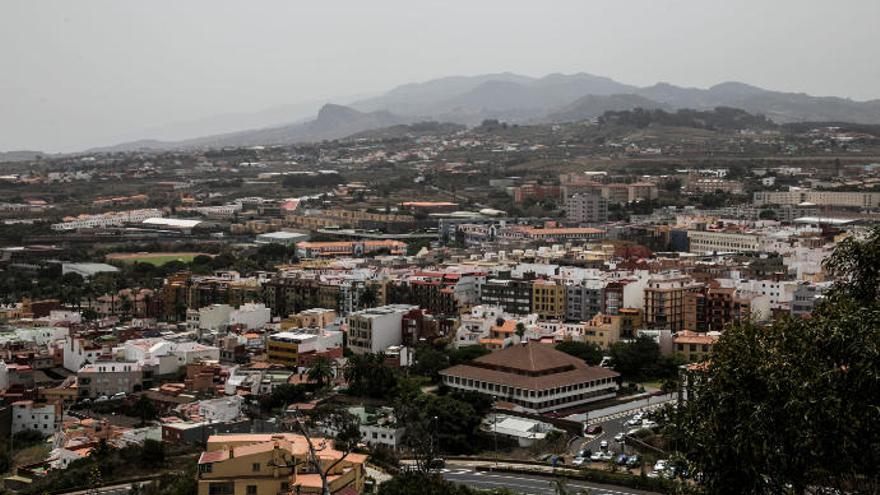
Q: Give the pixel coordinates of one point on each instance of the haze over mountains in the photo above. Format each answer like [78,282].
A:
[521,99]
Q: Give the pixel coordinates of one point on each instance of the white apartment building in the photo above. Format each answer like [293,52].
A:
[218,317]
[27,415]
[111,219]
[476,324]
[310,339]
[41,336]
[168,356]
[78,352]
[220,410]
[711,242]
[779,292]
[376,329]
[846,199]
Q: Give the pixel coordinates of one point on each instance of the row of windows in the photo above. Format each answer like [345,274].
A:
[693,347]
[519,392]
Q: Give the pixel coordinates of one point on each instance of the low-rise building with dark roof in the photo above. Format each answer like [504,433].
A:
[535,377]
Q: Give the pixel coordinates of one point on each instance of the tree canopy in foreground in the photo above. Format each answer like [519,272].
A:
[795,405]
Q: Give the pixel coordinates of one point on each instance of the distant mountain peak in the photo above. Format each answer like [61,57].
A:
[736,87]
[334,111]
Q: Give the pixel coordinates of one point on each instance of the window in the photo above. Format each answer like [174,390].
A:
[223,488]
[252,490]
[255,467]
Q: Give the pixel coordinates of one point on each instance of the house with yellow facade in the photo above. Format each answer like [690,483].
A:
[273,464]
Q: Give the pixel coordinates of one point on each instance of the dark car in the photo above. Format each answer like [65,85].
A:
[593,430]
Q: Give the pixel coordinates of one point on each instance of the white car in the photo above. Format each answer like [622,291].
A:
[619,437]
[596,457]
[660,465]
[578,461]
[647,423]
[603,444]
[607,456]
[102,398]
[118,395]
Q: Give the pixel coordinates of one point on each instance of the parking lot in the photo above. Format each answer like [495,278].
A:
[610,442]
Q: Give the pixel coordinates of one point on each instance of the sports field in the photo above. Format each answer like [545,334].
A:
[157,259]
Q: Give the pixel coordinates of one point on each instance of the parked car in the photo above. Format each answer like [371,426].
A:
[118,395]
[633,461]
[660,465]
[619,437]
[607,456]
[585,453]
[622,459]
[578,461]
[102,398]
[593,430]
[596,457]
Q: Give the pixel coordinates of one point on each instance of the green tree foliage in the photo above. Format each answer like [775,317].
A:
[796,404]
[370,376]
[144,409]
[672,185]
[309,181]
[719,118]
[285,394]
[435,424]
[589,352]
[636,360]
[767,215]
[153,453]
[321,371]
[369,297]
[428,362]
[467,354]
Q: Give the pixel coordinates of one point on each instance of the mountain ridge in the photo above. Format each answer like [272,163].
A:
[556,97]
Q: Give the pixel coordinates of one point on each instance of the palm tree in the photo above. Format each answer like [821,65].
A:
[321,371]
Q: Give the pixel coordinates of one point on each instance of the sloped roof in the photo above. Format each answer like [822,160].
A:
[529,357]
[531,366]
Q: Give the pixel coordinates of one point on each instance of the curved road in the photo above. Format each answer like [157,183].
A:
[530,484]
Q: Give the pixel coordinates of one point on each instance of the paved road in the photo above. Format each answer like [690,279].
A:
[529,484]
[121,489]
[611,426]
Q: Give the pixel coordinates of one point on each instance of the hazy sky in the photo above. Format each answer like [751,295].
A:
[81,73]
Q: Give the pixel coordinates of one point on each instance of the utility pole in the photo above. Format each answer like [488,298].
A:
[495,436]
